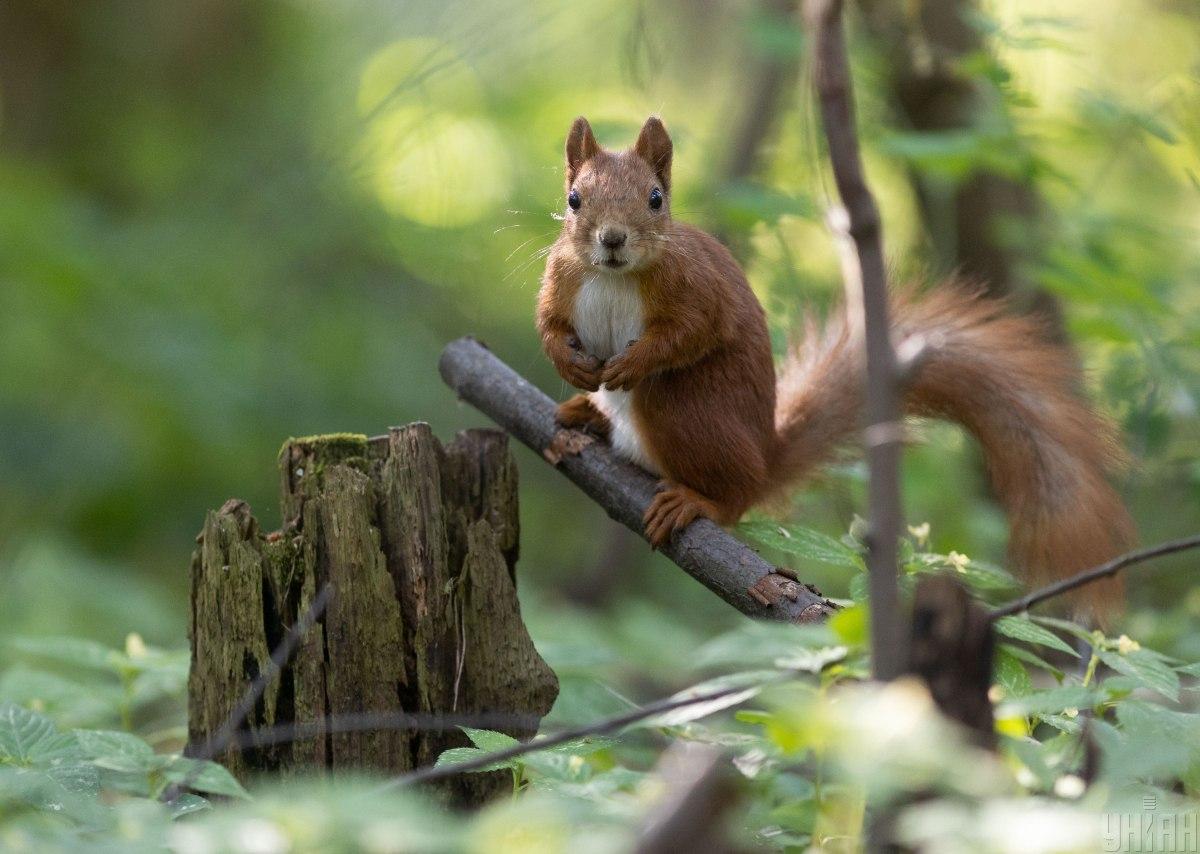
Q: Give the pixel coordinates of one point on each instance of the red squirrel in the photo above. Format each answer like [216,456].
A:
[655,321]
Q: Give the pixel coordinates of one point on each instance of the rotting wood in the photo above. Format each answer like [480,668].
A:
[419,544]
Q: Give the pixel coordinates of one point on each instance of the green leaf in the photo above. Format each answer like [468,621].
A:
[1064,626]
[66,701]
[73,651]
[751,683]
[1010,674]
[116,751]
[462,755]
[187,803]
[800,542]
[1023,629]
[203,776]
[1146,667]
[27,738]
[486,739]
[1025,655]
[812,660]
[850,625]
[1048,702]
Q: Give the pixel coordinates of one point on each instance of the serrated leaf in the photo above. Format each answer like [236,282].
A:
[1146,668]
[800,542]
[462,755]
[27,738]
[486,739]
[1023,629]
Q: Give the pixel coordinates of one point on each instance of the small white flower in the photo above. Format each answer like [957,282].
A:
[920,532]
[1071,712]
[135,647]
[960,562]
[1126,645]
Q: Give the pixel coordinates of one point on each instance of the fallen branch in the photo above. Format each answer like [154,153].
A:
[1104,570]
[716,559]
[834,92]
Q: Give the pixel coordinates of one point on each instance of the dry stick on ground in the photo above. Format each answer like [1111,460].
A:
[228,733]
[1104,570]
[704,551]
[883,430]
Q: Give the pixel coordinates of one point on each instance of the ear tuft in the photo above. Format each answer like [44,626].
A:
[654,146]
[581,146]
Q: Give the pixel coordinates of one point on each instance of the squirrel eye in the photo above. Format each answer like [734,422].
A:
[655,199]
[573,200]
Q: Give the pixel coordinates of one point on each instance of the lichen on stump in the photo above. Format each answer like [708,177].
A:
[419,544]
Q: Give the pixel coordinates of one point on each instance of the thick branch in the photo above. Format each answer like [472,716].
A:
[1104,570]
[832,75]
[704,551]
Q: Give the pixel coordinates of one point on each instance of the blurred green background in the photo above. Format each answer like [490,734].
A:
[226,223]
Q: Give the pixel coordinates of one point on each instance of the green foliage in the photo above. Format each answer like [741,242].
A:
[815,749]
[268,221]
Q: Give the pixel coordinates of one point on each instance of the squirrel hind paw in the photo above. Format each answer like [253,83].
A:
[674,508]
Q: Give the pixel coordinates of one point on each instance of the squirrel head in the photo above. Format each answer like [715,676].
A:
[618,203]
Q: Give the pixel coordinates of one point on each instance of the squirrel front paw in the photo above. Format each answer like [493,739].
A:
[576,366]
[583,371]
[622,373]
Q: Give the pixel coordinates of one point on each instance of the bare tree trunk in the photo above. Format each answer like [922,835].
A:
[418,545]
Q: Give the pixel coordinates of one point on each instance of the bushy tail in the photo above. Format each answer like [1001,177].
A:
[1048,452]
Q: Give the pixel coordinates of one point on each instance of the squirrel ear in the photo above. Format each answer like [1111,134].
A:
[654,146]
[581,145]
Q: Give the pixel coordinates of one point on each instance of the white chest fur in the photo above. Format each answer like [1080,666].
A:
[608,315]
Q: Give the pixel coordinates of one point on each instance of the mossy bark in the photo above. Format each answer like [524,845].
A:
[419,544]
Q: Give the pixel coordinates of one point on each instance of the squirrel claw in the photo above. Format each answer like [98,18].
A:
[674,508]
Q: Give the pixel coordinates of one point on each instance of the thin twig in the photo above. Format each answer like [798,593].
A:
[280,656]
[600,727]
[1104,570]
[719,561]
[382,722]
[834,91]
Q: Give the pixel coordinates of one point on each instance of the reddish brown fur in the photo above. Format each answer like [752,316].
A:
[704,386]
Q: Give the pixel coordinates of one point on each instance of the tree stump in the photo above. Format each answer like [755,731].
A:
[418,543]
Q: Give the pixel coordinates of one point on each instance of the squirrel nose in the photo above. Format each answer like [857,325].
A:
[612,238]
